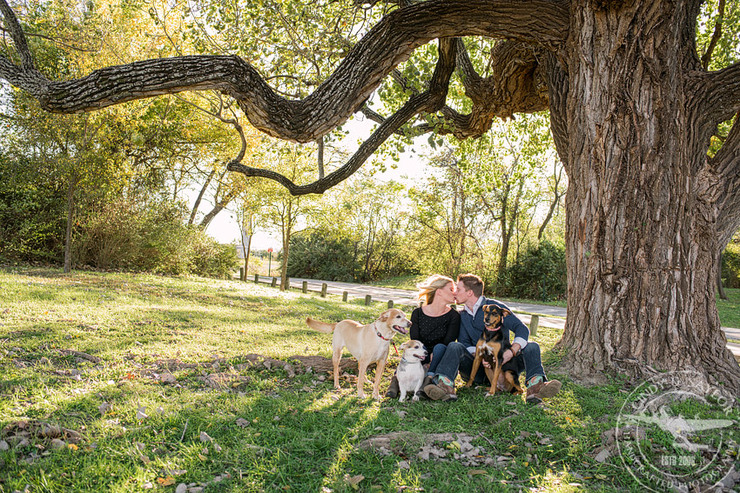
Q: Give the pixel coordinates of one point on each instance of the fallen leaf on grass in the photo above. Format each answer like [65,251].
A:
[477,472]
[204,437]
[141,413]
[168,481]
[242,422]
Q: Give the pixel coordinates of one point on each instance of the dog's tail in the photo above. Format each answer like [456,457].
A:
[320,326]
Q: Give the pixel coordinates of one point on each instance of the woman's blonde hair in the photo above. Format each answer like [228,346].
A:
[429,288]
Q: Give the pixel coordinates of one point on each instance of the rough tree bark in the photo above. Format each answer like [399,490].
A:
[632,111]
[632,123]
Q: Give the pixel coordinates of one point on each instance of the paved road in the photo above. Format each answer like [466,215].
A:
[550,316]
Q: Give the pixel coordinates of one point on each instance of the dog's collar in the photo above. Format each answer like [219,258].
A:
[498,327]
[377,332]
[381,335]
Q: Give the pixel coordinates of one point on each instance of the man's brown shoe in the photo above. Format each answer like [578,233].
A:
[440,392]
[543,390]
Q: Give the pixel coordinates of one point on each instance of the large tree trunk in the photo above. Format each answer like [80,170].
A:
[642,236]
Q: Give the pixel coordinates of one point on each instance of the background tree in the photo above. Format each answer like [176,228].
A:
[364,223]
[144,150]
[280,209]
[445,217]
[502,169]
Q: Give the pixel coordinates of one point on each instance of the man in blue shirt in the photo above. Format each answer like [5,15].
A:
[459,355]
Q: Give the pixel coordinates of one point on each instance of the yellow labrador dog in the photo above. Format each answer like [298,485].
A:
[368,343]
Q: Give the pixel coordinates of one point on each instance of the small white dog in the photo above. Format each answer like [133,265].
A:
[410,372]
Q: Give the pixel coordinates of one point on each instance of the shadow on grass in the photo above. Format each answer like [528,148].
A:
[298,434]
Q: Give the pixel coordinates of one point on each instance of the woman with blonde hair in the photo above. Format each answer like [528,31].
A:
[435,323]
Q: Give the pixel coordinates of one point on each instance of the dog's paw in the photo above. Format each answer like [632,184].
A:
[415,398]
[488,394]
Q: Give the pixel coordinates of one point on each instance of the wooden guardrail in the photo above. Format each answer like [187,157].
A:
[323,292]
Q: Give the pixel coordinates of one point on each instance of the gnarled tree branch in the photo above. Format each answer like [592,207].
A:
[725,166]
[720,92]
[518,86]
[389,43]
[429,101]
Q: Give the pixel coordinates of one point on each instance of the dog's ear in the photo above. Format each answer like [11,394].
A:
[406,344]
[505,313]
[385,316]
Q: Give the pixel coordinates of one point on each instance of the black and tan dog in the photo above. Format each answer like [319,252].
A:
[491,347]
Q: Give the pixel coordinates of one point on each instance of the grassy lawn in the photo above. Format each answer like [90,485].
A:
[729,309]
[120,382]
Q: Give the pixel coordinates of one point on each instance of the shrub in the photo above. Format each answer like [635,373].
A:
[538,274]
[109,236]
[211,259]
[320,255]
[32,215]
[131,234]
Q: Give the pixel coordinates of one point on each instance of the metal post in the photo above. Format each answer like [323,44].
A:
[345,295]
[323,290]
[305,287]
[390,303]
[368,299]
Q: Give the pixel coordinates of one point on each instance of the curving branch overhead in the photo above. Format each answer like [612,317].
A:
[428,101]
[388,44]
